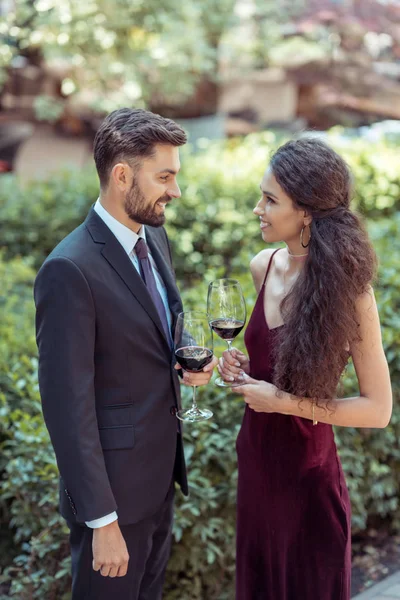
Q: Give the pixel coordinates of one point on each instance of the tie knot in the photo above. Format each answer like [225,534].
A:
[141,249]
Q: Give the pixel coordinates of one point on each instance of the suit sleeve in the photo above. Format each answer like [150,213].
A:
[65,333]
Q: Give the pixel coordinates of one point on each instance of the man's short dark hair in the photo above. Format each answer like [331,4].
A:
[130,135]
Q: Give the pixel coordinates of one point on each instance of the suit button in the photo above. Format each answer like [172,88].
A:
[173,411]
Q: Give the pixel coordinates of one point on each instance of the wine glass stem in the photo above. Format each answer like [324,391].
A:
[229,342]
[194,403]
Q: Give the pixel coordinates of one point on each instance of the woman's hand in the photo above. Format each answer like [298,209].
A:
[233,364]
[259,395]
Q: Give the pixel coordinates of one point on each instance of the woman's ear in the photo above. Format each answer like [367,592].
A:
[307,219]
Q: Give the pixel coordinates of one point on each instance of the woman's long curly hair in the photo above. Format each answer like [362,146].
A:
[320,311]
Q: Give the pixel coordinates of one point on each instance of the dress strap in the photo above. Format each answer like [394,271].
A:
[269,265]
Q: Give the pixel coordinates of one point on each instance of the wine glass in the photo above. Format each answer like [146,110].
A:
[226,313]
[193,351]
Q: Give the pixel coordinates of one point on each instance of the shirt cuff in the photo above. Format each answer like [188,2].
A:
[103,521]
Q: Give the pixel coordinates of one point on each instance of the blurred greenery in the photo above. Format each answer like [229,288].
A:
[213,233]
[212,226]
[139,52]
[142,53]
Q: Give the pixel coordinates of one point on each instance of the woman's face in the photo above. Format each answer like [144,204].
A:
[280,220]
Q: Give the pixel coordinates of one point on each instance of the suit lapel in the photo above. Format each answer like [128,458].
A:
[116,256]
[174,299]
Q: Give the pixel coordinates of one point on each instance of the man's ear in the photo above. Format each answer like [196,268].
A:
[121,175]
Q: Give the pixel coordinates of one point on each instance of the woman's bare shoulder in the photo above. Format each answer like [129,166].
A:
[259,264]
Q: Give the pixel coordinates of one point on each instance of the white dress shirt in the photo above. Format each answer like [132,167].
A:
[128,238]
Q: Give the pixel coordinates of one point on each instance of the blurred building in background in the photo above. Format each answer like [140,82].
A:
[228,69]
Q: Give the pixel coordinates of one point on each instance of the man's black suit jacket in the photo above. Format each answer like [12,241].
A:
[106,374]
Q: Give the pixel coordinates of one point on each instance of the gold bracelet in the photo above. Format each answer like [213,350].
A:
[314,422]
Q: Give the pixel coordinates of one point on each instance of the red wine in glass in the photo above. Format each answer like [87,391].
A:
[193,358]
[227,329]
[226,310]
[193,351]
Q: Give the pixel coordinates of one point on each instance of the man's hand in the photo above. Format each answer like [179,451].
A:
[201,378]
[110,554]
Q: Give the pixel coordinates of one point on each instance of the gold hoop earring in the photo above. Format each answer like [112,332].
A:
[301,238]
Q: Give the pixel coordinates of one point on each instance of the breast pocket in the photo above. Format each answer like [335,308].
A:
[116,426]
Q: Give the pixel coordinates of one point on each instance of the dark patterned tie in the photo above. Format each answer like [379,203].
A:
[142,253]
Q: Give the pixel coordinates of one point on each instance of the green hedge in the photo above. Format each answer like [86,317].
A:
[213,220]
[212,225]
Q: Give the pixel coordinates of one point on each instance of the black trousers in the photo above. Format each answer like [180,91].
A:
[149,545]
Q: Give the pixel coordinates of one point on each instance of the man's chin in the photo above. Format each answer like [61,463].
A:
[159,223]
[153,221]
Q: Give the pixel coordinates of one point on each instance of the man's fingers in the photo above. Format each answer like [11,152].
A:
[109,550]
[196,380]
[122,571]
[113,572]
[104,571]
[199,378]
[96,565]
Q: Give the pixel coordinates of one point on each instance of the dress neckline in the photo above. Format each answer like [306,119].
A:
[273,328]
[262,293]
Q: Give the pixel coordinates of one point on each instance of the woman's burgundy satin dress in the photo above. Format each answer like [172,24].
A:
[293,507]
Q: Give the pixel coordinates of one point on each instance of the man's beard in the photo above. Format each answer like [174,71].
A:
[138,209]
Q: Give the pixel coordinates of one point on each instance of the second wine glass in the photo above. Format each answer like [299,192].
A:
[193,351]
[226,310]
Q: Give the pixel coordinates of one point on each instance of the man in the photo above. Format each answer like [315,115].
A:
[107,304]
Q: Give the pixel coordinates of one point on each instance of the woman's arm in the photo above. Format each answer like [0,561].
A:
[372,408]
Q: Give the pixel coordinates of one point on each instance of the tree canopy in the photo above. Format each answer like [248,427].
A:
[122,51]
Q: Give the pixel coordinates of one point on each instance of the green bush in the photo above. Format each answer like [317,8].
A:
[371,458]
[202,561]
[29,483]
[35,217]
[212,225]
[213,232]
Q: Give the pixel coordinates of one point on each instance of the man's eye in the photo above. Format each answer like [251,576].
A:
[270,200]
[164,178]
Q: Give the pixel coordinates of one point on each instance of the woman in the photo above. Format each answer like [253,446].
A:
[315,308]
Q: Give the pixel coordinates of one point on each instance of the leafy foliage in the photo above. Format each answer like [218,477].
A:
[213,233]
[125,52]
[29,486]
[211,226]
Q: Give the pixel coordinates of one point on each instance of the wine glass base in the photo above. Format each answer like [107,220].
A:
[226,384]
[193,415]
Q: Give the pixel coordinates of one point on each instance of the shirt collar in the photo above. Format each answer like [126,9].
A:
[126,237]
